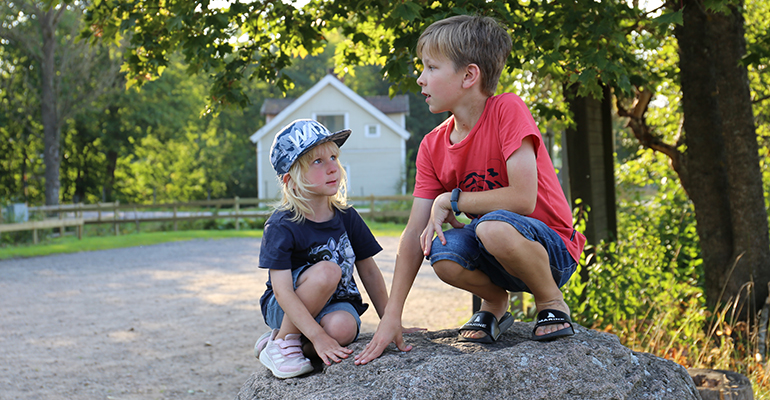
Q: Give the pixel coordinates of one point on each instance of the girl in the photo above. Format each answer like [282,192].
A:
[310,245]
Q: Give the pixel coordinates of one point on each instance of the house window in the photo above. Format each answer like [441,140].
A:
[334,122]
[372,131]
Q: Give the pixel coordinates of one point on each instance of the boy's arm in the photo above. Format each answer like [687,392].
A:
[520,196]
[408,260]
[374,284]
[326,347]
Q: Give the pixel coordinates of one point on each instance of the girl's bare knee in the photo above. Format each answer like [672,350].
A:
[322,274]
[341,326]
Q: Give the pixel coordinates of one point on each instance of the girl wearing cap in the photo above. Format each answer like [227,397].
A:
[310,245]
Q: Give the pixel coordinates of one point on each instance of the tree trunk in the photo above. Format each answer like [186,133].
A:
[51,128]
[109,184]
[720,167]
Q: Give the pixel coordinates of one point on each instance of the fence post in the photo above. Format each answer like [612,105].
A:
[237,211]
[99,212]
[34,236]
[371,207]
[175,217]
[61,228]
[136,219]
[116,225]
[79,227]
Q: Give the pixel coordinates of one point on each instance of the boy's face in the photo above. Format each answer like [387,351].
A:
[441,84]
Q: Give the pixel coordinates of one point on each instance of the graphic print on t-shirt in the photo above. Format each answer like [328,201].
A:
[340,253]
[479,182]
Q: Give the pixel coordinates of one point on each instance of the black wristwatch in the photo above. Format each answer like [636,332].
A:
[453,201]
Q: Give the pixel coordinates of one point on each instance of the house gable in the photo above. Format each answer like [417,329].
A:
[281,118]
[375,154]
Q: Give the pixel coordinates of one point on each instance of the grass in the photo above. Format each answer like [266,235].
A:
[70,244]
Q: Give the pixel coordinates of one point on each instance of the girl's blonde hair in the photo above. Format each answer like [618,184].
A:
[294,197]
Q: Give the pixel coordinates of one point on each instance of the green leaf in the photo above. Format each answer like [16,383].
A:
[665,19]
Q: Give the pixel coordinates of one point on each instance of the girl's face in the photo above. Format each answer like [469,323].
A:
[323,173]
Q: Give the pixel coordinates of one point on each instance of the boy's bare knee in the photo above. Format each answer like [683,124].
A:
[447,271]
[498,237]
[341,326]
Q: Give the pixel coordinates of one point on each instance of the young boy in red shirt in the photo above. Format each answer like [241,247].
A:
[487,160]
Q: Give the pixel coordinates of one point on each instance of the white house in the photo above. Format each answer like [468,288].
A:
[374,155]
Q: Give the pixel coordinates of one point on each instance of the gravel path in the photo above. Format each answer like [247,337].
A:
[168,321]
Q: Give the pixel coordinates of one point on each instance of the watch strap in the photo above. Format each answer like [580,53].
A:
[453,200]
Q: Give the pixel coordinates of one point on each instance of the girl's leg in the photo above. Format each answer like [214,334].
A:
[340,325]
[314,287]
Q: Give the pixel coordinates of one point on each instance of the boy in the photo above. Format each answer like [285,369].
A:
[488,161]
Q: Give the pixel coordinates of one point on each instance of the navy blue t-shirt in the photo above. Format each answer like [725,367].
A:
[343,239]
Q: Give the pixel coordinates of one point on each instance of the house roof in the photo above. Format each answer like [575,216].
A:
[398,104]
[282,108]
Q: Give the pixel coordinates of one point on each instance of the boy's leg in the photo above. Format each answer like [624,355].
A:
[495,298]
[526,260]
[455,263]
[314,287]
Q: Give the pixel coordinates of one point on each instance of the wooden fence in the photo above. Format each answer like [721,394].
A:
[237,209]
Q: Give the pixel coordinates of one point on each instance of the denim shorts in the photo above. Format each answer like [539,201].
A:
[274,313]
[464,248]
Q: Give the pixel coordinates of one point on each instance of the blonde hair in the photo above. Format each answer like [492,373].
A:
[465,40]
[294,197]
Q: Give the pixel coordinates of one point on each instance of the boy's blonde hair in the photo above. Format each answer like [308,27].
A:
[465,40]
[295,190]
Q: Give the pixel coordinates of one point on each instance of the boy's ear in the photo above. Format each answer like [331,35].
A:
[285,178]
[472,76]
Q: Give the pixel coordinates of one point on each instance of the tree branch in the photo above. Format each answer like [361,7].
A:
[761,99]
[642,131]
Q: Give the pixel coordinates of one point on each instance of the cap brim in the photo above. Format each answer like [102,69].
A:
[338,137]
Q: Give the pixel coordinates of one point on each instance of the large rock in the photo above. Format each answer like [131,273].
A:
[589,365]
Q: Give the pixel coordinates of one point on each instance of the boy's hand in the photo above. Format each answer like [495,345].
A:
[440,212]
[387,332]
[329,350]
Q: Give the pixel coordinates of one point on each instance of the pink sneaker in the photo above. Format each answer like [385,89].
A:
[283,357]
[262,341]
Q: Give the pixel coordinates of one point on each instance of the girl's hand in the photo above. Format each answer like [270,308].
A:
[329,350]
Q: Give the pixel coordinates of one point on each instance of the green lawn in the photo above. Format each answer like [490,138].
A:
[70,244]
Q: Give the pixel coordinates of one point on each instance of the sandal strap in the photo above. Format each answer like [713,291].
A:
[552,317]
[483,321]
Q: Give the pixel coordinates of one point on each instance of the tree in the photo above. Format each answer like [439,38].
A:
[717,157]
[587,44]
[71,72]
[19,127]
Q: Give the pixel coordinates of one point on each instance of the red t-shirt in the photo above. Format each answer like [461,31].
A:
[478,163]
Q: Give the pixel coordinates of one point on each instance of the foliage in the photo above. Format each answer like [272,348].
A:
[20,130]
[573,42]
[655,258]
